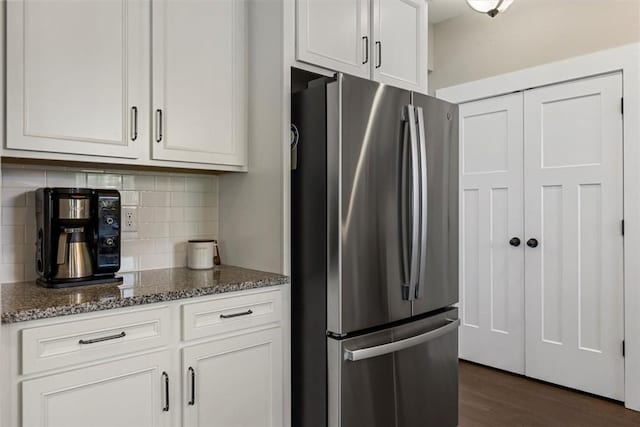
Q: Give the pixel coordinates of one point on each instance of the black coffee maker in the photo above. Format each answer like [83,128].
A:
[78,236]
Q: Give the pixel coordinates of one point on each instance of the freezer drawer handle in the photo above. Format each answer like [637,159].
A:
[379,350]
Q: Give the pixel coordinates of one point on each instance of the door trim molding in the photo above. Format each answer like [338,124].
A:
[626,59]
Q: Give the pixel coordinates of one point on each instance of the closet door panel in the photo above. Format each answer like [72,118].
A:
[491,269]
[573,200]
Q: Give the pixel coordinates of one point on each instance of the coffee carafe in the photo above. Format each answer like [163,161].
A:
[74,259]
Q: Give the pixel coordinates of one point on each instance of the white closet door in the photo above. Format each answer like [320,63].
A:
[491,276]
[573,199]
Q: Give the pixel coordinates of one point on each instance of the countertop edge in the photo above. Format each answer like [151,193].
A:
[112,304]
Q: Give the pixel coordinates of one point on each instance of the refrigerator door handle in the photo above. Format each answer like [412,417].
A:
[424,196]
[402,206]
[379,350]
[415,206]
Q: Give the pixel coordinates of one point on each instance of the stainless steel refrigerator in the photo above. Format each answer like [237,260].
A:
[374,257]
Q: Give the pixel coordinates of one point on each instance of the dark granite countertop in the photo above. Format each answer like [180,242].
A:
[29,301]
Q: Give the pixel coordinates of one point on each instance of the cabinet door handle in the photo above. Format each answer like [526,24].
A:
[379,46]
[228,316]
[193,386]
[158,125]
[134,123]
[365,39]
[165,376]
[107,338]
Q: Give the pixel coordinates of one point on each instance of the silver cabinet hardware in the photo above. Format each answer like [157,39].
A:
[365,39]
[158,125]
[165,376]
[107,338]
[379,46]
[228,316]
[134,123]
[192,401]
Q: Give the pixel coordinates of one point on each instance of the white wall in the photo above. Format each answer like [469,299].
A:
[532,32]
[252,205]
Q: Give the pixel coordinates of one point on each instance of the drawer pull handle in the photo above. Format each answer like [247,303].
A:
[193,387]
[228,316]
[165,408]
[107,338]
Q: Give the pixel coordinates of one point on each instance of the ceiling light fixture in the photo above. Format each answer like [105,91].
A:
[490,7]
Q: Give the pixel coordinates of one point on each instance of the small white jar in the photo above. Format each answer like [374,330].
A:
[200,254]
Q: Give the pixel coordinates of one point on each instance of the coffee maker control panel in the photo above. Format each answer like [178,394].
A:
[108,224]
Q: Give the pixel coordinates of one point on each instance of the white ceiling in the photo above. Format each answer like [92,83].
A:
[441,10]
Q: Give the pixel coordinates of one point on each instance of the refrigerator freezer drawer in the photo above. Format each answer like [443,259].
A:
[405,376]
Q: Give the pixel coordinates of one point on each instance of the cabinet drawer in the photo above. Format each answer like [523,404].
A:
[81,341]
[227,314]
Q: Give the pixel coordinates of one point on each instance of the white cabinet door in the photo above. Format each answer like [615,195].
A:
[573,199]
[491,268]
[334,34]
[126,393]
[200,50]
[400,43]
[235,382]
[77,76]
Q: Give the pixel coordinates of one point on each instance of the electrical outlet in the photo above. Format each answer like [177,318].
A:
[129,219]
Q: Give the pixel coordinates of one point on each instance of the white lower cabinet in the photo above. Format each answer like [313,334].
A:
[129,392]
[234,382]
[232,377]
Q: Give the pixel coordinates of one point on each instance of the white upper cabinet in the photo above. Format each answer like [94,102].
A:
[384,40]
[76,78]
[400,43]
[200,51]
[335,34]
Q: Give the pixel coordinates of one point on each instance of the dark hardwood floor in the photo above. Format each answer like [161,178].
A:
[492,398]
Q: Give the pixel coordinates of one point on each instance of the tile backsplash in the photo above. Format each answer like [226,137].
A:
[172,208]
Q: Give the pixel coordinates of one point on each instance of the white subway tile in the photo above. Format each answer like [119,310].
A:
[170,183]
[138,182]
[176,214]
[209,199]
[154,198]
[11,273]
[177,199]
[104,180]
[14,197]
[161,214]
[13,254]
[25,178]
[208,227]
[57,178]
[193,199]
[129,263]
[200,184]
[129,198]
[12,234]
[153,261]
[171,210]
[150,230]
[14,216]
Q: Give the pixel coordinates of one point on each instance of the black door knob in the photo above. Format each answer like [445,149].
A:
[514,241]
[532,243]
